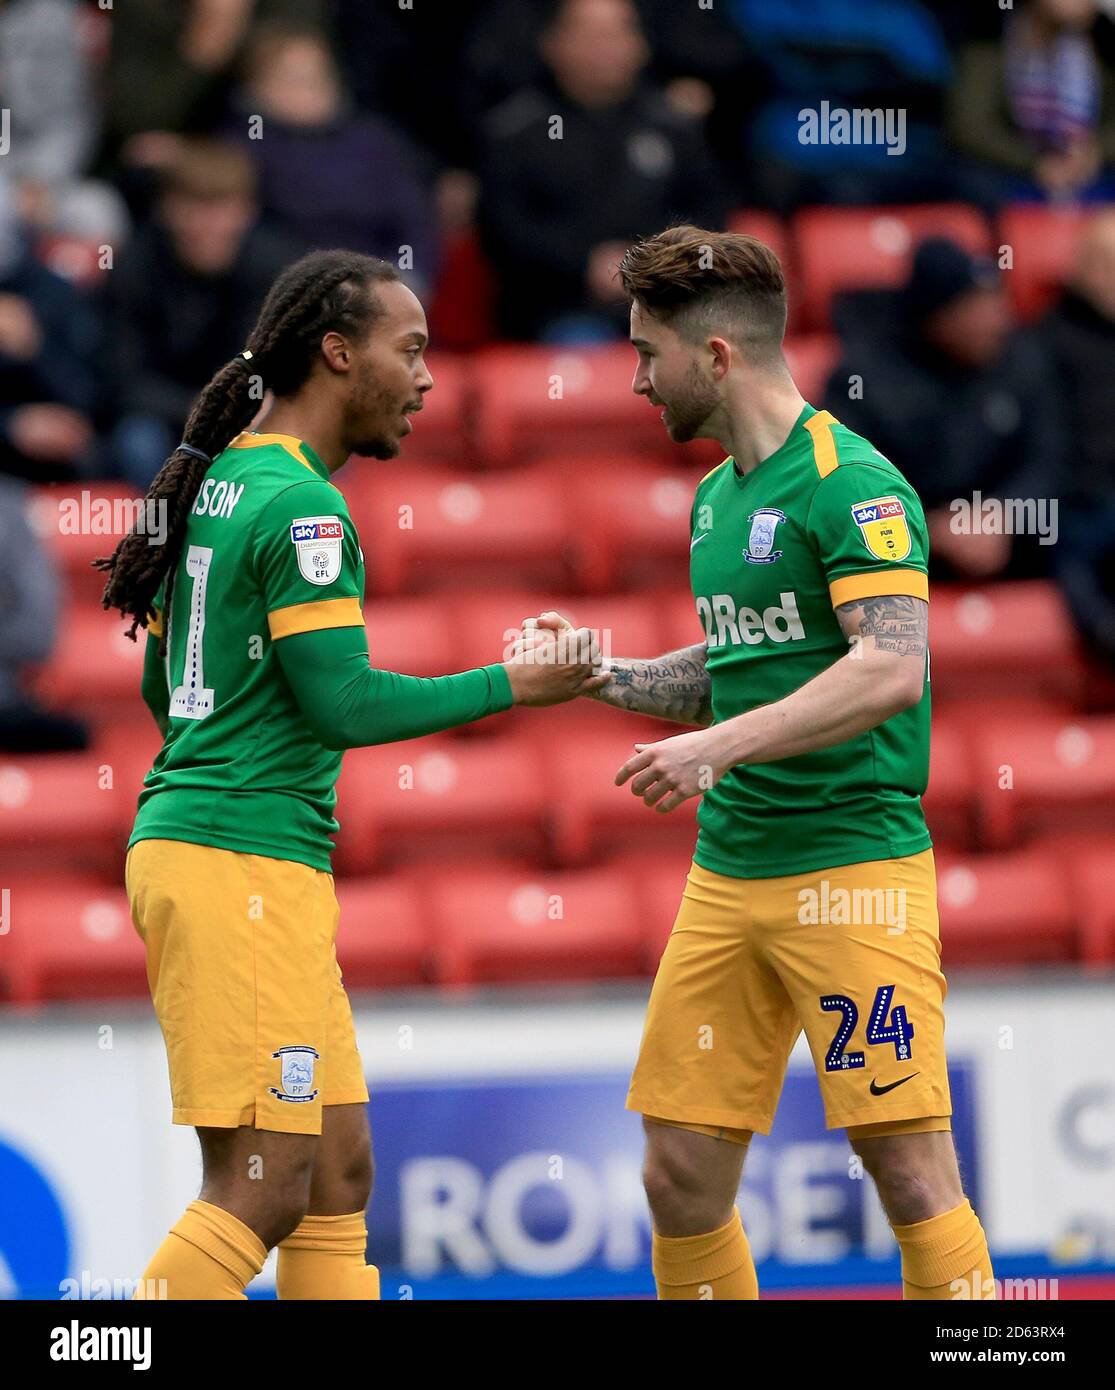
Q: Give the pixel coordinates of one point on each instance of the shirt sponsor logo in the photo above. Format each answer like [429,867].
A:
[882,524]
[726,624]
[759,549]
[317,542]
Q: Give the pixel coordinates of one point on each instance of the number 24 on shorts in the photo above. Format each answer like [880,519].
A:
[899,1031]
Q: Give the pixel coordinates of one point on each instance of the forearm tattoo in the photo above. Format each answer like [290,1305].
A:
[897,622]
[676,686]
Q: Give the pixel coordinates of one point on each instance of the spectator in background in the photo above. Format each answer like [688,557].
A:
[170,68]
[330,176]
[1080,334]
[938,378]
[50,346]
[1035,111]
[842,56]
[577,167]
[184,297]
[46,91]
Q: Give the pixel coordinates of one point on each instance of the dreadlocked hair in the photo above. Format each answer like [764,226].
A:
[326,291]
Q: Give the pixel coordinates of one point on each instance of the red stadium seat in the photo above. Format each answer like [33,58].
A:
[1092,885]
[591,815]
[811,358]
[428,797]
[1043,243]
[871,248]
[1007,909]
[768,227]
[463,310]
[384,939]
[501,922]
[630,523]
[1017,637]
[442,429]
[443,530]
[96,669]
[543,400]
[949,802]
[71,937]
[658,882]
[410,635]
[78,523]
[1045,775]
[681,627]
[74,810]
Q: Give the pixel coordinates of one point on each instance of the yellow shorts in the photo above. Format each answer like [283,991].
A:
[851,954]
[246,986]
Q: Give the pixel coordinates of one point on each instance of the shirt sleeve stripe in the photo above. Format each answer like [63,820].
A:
[155,624]
[313,617]
[824,446]
[853,586]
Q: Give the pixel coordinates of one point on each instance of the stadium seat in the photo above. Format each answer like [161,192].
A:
[96,669]
[681,627]
[442,429]
[811,358]
[949,802]
[74,810]
[871,248]
[657,885]
[463,308]
[591,816]
[1005,909]
[502,922]
[1045,775]
[71,937]
[410,635]
[78,523]
[1042,242]
[768,227]
[630,523]
[429,530]
[1091,882]
[543,400]
[430,797]
[1017,637]
[383,941]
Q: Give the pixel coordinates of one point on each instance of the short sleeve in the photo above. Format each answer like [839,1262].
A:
[869,530]
[307,561]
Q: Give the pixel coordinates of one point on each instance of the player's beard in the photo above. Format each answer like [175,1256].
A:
[374,403]
[688,411]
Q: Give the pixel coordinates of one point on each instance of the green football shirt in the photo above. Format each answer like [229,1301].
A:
[824,520]
[270,551]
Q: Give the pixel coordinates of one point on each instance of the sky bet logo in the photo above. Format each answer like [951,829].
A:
[317,531]
[726,624]
[882,510]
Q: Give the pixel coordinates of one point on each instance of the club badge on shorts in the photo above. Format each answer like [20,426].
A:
[317,543]
[296,1074]
[882,524]
[759,549]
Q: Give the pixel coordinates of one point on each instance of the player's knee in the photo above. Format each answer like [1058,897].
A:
[682,1198]
[909,1193]
[353,1183]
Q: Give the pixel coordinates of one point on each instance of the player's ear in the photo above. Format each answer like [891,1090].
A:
[336,351]
[721,351]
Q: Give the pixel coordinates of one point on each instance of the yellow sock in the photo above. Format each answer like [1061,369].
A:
[324,1258]
[715,1265]
[209,1254]
[946,1257]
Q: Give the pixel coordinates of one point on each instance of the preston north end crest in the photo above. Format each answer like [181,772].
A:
[759,549]
[296,1074]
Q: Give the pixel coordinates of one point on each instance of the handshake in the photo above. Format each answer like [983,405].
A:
[551,661]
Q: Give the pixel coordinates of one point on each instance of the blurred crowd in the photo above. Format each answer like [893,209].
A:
[162,159]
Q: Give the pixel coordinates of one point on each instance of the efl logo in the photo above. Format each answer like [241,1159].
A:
[317,531]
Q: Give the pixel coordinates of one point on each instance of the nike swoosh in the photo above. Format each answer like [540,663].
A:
[698,539]
[882,1090]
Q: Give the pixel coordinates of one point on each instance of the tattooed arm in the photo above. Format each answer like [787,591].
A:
[882,674]
[676,686]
